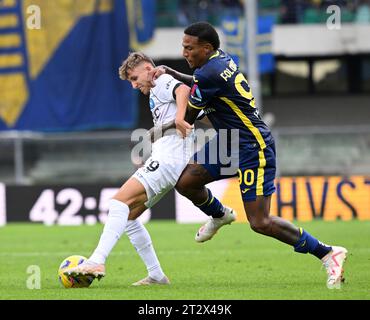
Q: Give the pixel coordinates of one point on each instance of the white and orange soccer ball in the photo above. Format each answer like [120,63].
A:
[73,281]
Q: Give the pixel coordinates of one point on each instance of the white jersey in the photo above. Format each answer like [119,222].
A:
[171,153]
[162,101]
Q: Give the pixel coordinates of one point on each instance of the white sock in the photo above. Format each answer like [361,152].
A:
[142,242]
[113,229]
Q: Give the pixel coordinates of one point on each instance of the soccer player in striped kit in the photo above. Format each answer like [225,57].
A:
[222,92]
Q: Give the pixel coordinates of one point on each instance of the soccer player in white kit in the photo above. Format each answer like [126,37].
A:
[170,154]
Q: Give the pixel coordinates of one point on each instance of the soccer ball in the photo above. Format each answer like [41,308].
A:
[73,281]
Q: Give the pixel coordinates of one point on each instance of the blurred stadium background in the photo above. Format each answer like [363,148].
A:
[66,118]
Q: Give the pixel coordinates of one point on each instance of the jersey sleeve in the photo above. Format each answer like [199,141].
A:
[167,86]
[201,115]
[202,91]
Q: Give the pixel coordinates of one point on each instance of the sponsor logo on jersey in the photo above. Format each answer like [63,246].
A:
[245,190]
[151,104]
[195,93]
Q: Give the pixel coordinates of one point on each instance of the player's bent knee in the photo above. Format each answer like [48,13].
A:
[188,192]
[188,188]
[185,187]
[182,189]
[260,226]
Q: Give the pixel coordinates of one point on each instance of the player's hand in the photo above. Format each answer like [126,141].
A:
[183,127]
[156,73]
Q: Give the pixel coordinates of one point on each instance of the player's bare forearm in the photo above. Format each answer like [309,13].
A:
[191,114]
[182,95]
[185,78]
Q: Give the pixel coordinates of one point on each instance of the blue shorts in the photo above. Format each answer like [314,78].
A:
[255,167]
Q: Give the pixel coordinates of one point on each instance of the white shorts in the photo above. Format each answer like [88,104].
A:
[160,173]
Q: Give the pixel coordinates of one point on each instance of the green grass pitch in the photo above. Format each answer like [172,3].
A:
[237,264]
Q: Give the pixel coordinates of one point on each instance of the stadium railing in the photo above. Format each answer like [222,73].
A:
[339,150]
[36,158]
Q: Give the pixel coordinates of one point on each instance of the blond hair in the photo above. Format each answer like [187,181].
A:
[131,62]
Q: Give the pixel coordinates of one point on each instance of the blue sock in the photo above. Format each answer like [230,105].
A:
[308,243]
[212,207]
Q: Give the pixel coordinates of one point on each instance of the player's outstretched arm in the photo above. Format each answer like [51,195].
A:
[185,78]
[159,70]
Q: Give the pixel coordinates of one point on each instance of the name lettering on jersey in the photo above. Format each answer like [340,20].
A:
[209,110]
[229,71]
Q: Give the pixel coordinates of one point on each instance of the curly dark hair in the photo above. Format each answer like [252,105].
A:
[205,33]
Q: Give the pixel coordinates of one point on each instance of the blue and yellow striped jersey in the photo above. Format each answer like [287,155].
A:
[222,91]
